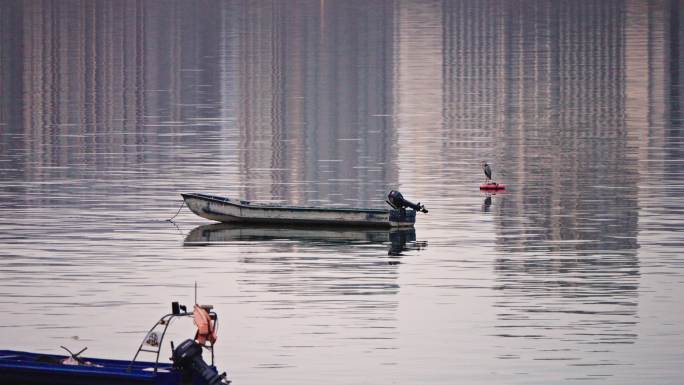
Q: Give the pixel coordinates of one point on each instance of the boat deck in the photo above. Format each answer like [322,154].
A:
[274,206]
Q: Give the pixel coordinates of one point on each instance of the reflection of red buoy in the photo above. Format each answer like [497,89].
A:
[492,186]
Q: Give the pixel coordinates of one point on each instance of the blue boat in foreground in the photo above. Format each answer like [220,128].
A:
[34,368]
[187,367]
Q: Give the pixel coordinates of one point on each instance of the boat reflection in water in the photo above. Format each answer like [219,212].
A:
[399,240]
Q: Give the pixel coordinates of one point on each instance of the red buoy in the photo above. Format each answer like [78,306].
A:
[492,186]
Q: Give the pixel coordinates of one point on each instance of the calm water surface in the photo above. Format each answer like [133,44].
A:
[110,109]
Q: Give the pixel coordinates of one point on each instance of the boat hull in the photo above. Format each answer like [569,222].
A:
[25,368]
[230,210]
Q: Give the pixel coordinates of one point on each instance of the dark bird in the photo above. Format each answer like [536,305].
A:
[487,170]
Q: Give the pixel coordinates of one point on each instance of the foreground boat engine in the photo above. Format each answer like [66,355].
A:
[397,201]
[188,356]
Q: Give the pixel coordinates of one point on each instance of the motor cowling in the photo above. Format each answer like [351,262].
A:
[396,200]
[188,356]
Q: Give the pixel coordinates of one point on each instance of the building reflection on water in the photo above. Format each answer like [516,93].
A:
[311,84]
[569,99]
[569,234]
[289,102]
[335,102]
[297,106]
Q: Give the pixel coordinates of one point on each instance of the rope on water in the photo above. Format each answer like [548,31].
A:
[177,212]
[177,228]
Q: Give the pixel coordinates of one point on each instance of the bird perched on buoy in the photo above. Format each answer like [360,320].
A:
[489,184]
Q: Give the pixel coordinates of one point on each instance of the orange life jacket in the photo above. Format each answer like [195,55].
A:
[206,327]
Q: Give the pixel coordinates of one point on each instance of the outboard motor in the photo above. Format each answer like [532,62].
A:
[188,355]
[396,200]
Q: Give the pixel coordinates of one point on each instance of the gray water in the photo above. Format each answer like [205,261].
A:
[110,109]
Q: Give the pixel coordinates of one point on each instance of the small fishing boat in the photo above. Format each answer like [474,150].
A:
[187,367]
[401,214]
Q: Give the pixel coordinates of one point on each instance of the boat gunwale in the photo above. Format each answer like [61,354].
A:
[23,361]
[267,206]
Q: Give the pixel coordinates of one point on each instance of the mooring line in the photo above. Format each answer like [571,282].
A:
[178,228]
[177,212]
